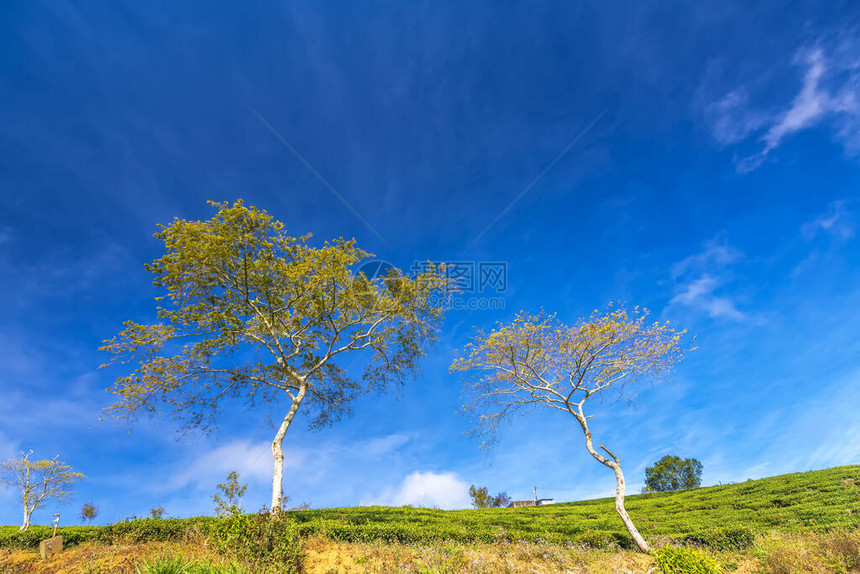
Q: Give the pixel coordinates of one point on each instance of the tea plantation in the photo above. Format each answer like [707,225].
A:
[723,517]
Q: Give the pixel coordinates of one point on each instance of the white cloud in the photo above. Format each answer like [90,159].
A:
[252,460]
[700,293]
[699,276]
[731,120]
[436,490]
[321,465]
[716,253]
[837,221]
[8,447]
[808,106]
[830,89]
[380,446]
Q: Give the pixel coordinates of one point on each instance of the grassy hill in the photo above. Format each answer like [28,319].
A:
[720,516]
[818,500]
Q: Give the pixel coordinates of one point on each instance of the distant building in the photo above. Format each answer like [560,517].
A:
[536,502]
[523,503]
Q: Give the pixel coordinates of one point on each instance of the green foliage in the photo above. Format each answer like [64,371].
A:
[724,538]
[174,565]
[481,498]
[681,560]
[673,473]
[725,517]
[152,530]
[157,512]
[260,539]
[177,565]
[11,537]
[230,503]
[252,313]
[255,313]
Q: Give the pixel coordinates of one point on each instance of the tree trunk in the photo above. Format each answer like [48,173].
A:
[278,452]
[26,525]
[615,465]
[622,512]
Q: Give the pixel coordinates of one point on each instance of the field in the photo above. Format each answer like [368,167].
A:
[740,524]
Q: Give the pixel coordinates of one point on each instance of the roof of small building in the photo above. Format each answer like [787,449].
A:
[521,503]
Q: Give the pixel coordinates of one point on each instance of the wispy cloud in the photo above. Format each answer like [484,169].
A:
[699,277]
[830,88]
[700,294]
[310,467]
[8,447]
[245,457]
[430,489]
[731,120]
[837,222]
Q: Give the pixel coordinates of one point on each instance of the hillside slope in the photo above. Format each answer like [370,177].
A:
[817,500]
[719,516]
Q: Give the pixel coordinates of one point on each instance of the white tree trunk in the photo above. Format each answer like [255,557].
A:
[615,465]
[26,525]
[622,512]
[278,452]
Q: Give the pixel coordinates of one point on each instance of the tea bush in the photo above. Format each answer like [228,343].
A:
[725,538]
[682,560]
[262,540]
[727,517]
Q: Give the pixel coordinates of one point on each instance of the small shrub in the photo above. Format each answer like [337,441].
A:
[261,540]
[177,565]
[682,560]
[163,566]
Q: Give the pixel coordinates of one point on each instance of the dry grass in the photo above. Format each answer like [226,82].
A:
[324,557]
[776,553]
[812,553]
[100,559]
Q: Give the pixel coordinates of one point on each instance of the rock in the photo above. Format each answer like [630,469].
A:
[51,546]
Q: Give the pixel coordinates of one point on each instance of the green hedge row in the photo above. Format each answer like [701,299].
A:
[722,517]
[230,529]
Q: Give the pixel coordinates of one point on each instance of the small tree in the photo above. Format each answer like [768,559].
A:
[501,500]
[38,482]
[673,473]
[258,315]
[230,504]
[157,512]
[538,362]
[481,498]
[89,512]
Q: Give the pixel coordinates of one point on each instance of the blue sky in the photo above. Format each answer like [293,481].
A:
[718,187]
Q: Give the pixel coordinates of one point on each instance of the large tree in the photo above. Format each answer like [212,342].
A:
[537,361]
[673,473]
[254,314]
[38,481]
